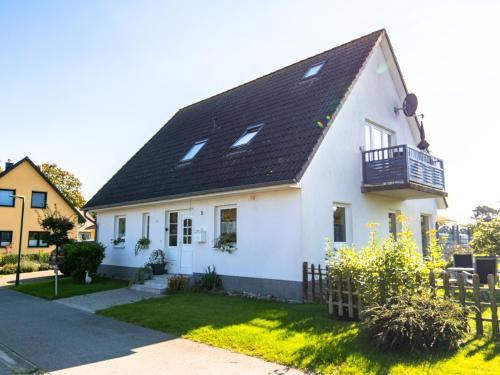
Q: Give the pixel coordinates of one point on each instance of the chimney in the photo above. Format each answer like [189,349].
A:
[9,165]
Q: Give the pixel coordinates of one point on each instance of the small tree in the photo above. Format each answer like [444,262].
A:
[56,228]
[486,237]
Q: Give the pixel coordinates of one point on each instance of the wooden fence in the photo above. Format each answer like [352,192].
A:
[340,293]
[470,293]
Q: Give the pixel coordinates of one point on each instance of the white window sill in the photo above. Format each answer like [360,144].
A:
[222,251]
[120,246]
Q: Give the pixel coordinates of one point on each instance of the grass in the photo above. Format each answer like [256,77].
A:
[68,287]
[297,335]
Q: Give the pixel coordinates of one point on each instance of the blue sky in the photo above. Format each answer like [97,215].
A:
[86,83]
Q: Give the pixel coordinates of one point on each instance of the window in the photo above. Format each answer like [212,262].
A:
[247,136]
[120,227]
[85,236]
[425,227]
[5,238]
[6,198]
[38,199]
[340,223]
[172,228]
[145,225]
[377,137]
[194,150]
[393,225]
[35,239]
[227,218]
[187,231]
[313,70]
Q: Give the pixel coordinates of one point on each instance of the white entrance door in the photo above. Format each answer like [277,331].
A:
[179,239]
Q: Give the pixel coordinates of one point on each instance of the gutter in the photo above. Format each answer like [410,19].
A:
[278,185]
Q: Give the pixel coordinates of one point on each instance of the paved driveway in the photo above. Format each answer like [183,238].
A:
[58,338]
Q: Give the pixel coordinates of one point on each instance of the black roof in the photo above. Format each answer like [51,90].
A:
[294,112]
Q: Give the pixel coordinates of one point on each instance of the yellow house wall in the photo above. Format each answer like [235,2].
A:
[24,179]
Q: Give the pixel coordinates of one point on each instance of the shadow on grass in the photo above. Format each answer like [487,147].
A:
[293,334]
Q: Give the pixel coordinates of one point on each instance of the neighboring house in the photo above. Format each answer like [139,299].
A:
[276,164]
[86,231]
[25,179]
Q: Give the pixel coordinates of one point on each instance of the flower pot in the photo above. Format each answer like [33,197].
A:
[158,269]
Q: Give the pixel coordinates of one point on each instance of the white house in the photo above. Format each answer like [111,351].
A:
[278,164]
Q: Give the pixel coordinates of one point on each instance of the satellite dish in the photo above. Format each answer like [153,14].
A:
[410,105]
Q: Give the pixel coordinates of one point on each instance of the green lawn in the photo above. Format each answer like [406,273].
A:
[298,335]
[68,287]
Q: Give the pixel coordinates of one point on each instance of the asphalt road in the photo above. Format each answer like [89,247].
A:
[57,338]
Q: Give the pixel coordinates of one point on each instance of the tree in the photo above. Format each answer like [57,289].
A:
[485,213]
[56,227]
[66,182]
[486,236]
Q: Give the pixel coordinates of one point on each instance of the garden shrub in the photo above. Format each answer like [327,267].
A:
[385,268]
[141,275]
[486,237]
[417,323]
[177,282]
[209,281]
[29,263]
[80,257]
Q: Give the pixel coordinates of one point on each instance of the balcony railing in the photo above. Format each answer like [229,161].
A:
[402,166]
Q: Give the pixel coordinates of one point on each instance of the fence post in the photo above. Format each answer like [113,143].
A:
[340,306]
[432,283]
[477,300]
[493,305]
[446,284]
[320,283]
[349,297]
[305,281]
[313,283]
[461,288]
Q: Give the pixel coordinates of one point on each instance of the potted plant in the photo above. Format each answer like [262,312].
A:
[226,242]
[117,241]
[142,244]
[157,262]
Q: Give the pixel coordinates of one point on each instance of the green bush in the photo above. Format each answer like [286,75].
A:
[486,237]
[417,323]
[29,263]
[141,275]
[385,268]
[8,268]
[177,282]
[80,257]
[8,259]
[209,281]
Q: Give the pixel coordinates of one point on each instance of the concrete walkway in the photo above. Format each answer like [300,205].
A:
[63,340]
[102,300]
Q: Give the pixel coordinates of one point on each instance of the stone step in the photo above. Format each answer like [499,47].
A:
[148,289]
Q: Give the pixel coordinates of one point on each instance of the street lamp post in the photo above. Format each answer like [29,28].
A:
[18,270]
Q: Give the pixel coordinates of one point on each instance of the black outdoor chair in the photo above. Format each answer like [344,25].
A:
[463,260]
[486,265]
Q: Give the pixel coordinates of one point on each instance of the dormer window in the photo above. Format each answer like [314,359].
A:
[247,136]
[313,70]
[194,150]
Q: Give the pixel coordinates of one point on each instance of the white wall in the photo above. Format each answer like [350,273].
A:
[335,173]
[268,231]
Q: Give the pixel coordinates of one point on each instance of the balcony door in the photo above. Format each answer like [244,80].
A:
[377,137]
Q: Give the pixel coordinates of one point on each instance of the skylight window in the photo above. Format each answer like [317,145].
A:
[247,136]
[194,150]
[313,70]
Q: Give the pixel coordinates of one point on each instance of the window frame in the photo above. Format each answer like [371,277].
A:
[347,224]
[173,234]
[397,224]
[308,75]
[146,225]
[218,222]
[185,158]
[38,239]
[13,199]
[256,127]
[187,231]
[372,126]
[117,229]
[45,200]
[11,237]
